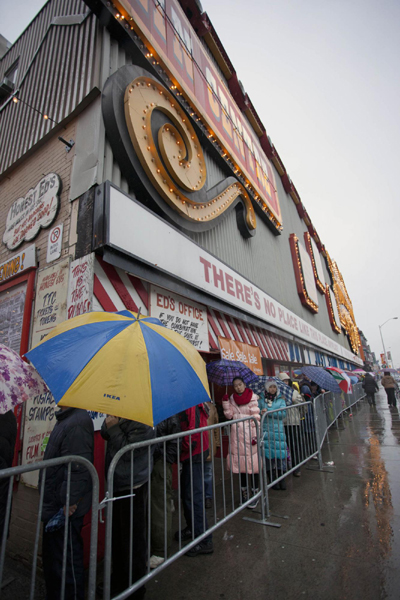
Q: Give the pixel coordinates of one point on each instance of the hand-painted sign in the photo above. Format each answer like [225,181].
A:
[35,210]
[18,263]
[249,355]
[182,315]
[80,286]
[54,244]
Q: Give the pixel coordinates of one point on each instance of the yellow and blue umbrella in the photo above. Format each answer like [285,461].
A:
[123,364]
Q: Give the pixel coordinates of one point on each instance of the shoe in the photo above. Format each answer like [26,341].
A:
[277,486]
[201,548]
[208,503]
[156,561]
[283,484]
[186,534]
[297,473]
[254,502]
[245,495]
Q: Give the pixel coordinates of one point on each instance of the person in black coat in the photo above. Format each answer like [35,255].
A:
[370,387]
[73,434]
[162,477]
[8,436]
[131,479]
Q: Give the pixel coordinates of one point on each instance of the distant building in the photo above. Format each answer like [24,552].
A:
[370,361]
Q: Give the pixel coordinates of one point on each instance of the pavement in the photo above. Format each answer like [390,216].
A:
[339,537]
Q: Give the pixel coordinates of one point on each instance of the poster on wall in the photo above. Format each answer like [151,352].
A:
[12,304]
[54,243]
[182,315]
[50,310]
[249,355]
[80,286]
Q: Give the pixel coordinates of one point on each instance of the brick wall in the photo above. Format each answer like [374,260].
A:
[51,157]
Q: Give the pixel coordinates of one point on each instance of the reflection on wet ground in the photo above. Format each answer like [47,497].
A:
[341,539]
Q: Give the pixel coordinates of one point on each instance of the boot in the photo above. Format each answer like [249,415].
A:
[254,502]
[245,495]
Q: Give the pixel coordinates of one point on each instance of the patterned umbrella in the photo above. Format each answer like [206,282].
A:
[258,387]
[19,381]
[223,372]
[322,378]
[342,378]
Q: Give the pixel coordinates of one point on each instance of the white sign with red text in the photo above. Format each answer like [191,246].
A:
[80,287]
[182,315]
[190,263]
[35,210]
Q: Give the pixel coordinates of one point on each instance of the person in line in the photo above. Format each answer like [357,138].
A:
[8,436]
[274,434]
[370,387]
[243,457]
[293,429]
[165,455]
[119,433]
[193,456]
[73,434]
[390,388]
[309,391]
[213,444]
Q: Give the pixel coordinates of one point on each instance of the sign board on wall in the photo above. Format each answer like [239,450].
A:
[249,355]
[29,214]
[80,286]
[50,310]
[178,48]
[12,304]
[54,243]
[182,315]
[190,263]
[18,263]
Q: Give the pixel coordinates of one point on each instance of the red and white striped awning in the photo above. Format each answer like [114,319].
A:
[114,289]
[272,346]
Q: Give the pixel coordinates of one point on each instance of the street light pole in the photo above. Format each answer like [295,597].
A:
[380,330]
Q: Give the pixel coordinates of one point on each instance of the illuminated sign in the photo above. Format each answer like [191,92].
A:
[316,262]
[332,309]
[29,214]
[303,270]
[164,27]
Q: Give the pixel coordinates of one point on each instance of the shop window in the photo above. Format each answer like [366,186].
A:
[8,84]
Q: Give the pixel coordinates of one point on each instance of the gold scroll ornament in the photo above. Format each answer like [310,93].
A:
[181,165]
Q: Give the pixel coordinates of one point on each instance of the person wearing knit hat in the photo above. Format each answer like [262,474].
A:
[274,433]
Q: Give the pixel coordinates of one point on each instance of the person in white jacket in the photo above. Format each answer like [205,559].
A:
[293,428]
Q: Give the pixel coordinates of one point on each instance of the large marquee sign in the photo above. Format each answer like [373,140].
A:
[190,263]
[303,270]
[37,209]
[175,47]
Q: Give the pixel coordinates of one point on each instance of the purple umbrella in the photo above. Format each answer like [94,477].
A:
[19,380]
[223,372]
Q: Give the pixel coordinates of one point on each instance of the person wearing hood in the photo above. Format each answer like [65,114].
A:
[370,387]
[243,457]
[274,434]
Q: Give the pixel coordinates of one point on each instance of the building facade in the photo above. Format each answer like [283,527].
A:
[136,173]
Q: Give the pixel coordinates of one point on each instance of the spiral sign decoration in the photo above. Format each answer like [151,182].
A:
[174,161]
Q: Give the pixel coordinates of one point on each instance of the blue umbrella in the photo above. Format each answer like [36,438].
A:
[258,387]
[223,372]
[322,378]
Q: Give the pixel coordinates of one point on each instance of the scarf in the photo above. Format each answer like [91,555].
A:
[243,398]
[269,398]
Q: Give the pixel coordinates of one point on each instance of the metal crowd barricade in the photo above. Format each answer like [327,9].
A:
[228,499]
[286,447]
[14,472]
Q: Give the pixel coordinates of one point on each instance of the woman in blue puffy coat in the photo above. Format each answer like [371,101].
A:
[275,446]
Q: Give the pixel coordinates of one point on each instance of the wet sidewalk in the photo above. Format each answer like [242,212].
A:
[341,537]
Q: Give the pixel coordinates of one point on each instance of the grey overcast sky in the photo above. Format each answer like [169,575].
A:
[324,78]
